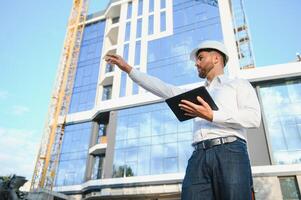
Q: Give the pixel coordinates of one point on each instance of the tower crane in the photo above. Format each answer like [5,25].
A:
[49,151]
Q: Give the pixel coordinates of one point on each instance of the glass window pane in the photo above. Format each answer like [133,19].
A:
[109,68]
[123,74]
[151,5]
[74,153]
[144,161]
[135,88]
[282,112]
[127,31]
[126,52]
[157,159]
[289,188]
[151,24]
[137,53]
[162,21]
[129,12]
[140,7]
[139,28]
[122,84]
[163,4]
[107,92]
[84,88]
[147,149]
[170,165]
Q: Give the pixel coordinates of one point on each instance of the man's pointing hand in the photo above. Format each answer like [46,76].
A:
[119,61]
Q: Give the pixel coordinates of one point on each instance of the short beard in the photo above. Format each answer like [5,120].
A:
[204,74]
[201,75]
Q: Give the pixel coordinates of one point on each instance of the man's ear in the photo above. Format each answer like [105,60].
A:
[215,59]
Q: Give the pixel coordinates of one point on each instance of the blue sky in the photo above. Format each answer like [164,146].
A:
[31,39]
[275,30]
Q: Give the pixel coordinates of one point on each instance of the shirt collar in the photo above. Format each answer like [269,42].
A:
[220,79]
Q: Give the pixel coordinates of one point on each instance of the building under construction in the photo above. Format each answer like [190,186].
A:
[107,138]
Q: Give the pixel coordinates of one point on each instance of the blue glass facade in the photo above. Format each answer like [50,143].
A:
[85,83]
[282,111]
[168,57]
[150,140]
[73,156]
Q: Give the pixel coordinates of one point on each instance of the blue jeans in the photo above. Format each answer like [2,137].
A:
[221,172]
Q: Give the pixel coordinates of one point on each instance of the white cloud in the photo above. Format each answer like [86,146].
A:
[19,110]
[18,150]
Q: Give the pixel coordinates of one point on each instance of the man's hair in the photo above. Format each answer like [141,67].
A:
[210,50]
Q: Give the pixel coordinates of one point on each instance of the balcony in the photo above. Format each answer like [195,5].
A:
[100,147]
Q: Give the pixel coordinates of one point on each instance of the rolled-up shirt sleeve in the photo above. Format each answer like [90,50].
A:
[248,114]
[154,85]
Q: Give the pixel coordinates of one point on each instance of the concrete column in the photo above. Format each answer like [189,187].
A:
[91,160]
[298,177]
[111,133]
[229,37]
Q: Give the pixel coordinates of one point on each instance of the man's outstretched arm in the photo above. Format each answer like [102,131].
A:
[150,83]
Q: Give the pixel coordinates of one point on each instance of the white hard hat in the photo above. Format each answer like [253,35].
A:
[210,44]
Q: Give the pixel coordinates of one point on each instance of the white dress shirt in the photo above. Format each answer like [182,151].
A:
[236,99]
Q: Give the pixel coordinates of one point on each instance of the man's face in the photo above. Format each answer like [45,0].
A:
[204,63]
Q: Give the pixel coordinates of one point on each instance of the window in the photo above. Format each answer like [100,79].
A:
[163,21]
[97,172]
[115,20]
[102,130]
[282,113]
[140,7]
[289,188]
[150,140]
[127,31]
[151,5]
[109,67]
[135,88]
[126,52]
[137,53]
[129,13]
[151,24]
[123,74]
[107,92]
[139,28]
[73,155]
[86,77]
[168,57]
[163,4]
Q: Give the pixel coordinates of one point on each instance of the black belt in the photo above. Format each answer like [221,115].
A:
[206,144]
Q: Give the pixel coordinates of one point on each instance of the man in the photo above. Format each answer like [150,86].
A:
[219,168]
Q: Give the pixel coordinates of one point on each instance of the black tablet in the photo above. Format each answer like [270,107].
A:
[191,95]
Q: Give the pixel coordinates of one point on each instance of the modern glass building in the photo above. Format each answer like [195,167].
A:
[121,142]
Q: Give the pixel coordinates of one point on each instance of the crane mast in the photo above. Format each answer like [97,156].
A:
[49,151]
